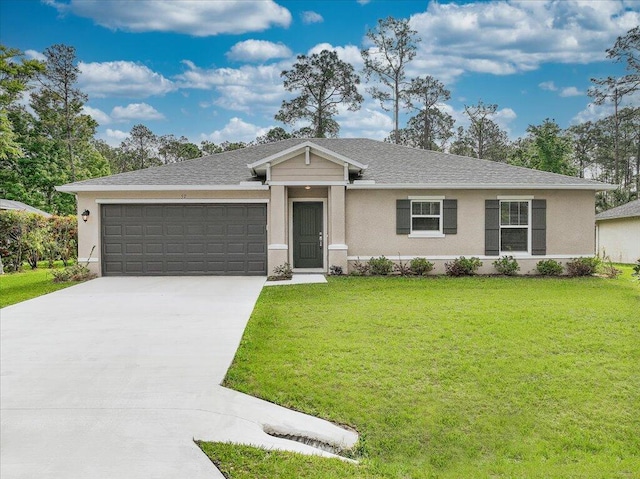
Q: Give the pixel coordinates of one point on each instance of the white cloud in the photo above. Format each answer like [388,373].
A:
[368,122]
[594,112]
[35,55]
[122,78]
[114,137]
[190,17]
[509,36]
[548,85]
[309,17]
[570,91]
[98,115]
[136,111]
[348,54]
[236,130]
[258,50]
[250,89]
[363,2]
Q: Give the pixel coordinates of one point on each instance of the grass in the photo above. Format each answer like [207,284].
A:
[28,284]
[450,377]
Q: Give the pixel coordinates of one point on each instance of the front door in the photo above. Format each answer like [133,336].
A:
[307,235]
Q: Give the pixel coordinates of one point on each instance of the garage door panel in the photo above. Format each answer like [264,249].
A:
[174,230]
[133,230]
[184,239]
[153,230]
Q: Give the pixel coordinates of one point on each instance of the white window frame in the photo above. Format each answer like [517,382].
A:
[528,226]
[421,233]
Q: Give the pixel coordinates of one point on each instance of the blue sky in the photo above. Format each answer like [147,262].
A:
[211,69]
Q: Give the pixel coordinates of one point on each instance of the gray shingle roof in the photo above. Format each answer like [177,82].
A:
[20,206]
[389,164]
[627,210]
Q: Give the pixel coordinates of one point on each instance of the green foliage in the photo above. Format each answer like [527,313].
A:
[393,46]
[31,237]
[281,272]
[582,266]
[75,273]
[323,82]
[549,267]
[550,148]
[463,266]
[421,266]
[380,266]
[507,265]
[502,377]
[636,269]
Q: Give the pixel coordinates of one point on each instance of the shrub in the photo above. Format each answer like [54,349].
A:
[401,268]
[360,268]
[336,270]
[31,237]
[281,273]
[506,265]
[463,266]
[549,267]
[76,272]
[421,266]
[636,270]
[380,266]
[582,266]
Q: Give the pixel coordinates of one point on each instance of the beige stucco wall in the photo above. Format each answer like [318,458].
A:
[371,223]
[365,221]
[318,169]
[619,239]
[89,232]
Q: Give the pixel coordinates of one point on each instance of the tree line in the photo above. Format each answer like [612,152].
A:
[54,141]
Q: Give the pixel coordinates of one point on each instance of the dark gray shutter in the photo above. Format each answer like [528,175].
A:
[539,227]
[492,227]
[403,217]
[450,220]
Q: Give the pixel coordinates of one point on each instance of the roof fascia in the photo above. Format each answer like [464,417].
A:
[85,188]
[480,186]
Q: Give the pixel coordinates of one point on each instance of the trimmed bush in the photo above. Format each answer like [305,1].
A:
[506,265]
[281,273]
[380,266]
[636,270]
[463,266]
[336,270]
[401,268]
[421,266]
[360,268]
[549,267]
[582,266]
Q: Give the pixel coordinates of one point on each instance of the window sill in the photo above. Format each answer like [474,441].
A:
[426,235]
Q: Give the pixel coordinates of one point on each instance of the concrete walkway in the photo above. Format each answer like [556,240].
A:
[117,376]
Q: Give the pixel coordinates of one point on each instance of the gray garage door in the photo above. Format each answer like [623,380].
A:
[167,239]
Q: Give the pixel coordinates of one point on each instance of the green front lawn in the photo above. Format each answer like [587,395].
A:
[450,377]
[17,287]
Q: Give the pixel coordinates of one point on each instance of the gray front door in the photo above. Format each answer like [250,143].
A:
[307,235]
[179,239]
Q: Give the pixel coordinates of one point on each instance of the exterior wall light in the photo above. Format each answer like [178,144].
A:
[85,215]
[307,187]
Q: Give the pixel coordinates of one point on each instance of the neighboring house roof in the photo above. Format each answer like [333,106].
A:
[20,206]
[628,210]
[381,165]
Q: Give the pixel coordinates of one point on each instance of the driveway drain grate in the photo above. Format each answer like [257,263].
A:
[309,441]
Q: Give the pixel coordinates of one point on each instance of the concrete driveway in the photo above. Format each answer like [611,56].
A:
[114,378]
